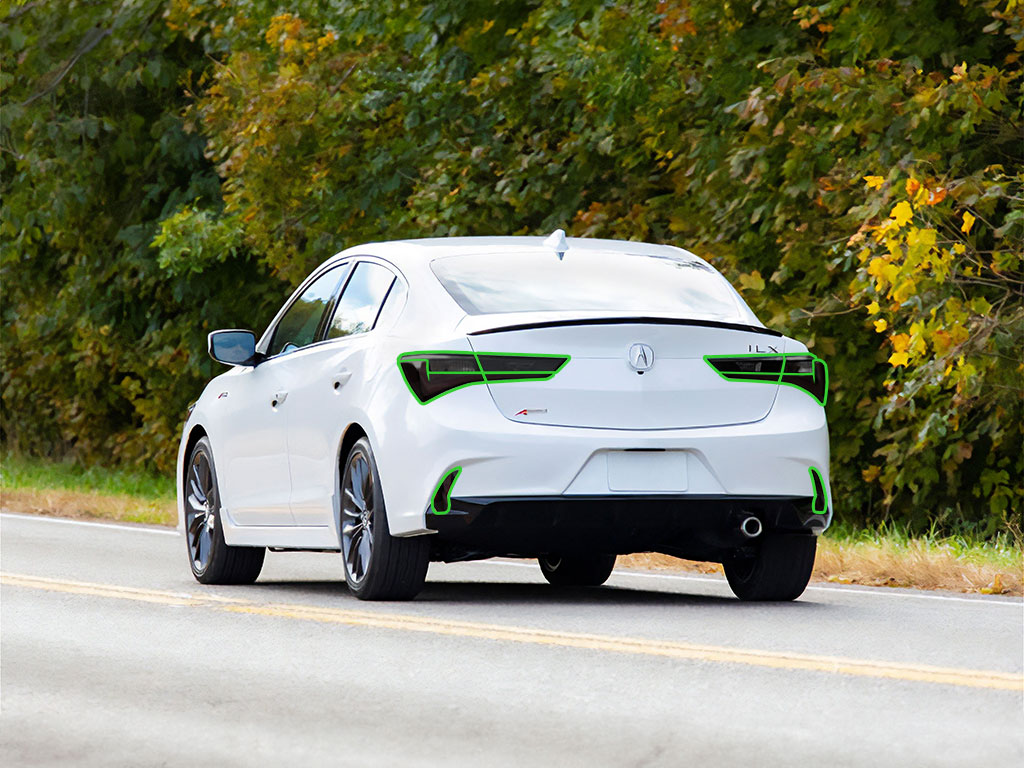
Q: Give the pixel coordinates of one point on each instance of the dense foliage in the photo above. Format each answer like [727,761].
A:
[856,167]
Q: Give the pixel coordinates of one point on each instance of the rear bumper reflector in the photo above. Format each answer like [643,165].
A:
[819,502]
[441,501]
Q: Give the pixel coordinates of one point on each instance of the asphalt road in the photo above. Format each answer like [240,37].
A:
[111,655]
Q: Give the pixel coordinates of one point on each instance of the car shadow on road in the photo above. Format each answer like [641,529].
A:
[509,593]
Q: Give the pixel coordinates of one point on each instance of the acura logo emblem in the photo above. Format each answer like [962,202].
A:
[641,357]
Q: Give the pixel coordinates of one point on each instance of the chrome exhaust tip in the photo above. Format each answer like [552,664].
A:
[751,527]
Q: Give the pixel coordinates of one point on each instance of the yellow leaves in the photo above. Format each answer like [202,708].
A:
[884,230]
[958,334]
[283,27]
[902,213]
[959,72]
[917,192]
[873,308]
[884,271]
[942,341]
[959,249]
[881,325]
[901,356]
[753,281]
[995,587]
[918,346]
[923,237]
[968,223]
[326,40]
[874,182]
[889,274]
[871,473]
[904,291]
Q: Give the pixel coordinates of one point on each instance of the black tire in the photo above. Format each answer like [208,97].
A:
[576,570]
[378,566]
[211,559]
[779,571]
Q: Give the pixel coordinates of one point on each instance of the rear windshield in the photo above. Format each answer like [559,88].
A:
[538,281]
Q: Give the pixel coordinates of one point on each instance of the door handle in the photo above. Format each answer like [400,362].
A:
[341,378]
[279,398]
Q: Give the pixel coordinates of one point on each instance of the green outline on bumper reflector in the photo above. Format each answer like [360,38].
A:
[456,471]
[819,503]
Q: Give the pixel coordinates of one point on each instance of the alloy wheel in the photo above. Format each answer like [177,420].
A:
[357,517]
[200,508]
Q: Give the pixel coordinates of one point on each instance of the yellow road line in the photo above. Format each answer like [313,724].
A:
[101,590]
[641,646]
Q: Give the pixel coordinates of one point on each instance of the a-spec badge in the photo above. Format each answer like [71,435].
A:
[641,357]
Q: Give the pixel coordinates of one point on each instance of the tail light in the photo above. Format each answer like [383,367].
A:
[433,374]
[804,371]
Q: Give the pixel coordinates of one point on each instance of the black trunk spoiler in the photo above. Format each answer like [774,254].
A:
[629,321]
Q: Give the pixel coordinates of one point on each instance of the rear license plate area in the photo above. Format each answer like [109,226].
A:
[647,471]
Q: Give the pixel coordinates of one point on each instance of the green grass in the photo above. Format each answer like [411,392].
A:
[1003,550]
[19,472]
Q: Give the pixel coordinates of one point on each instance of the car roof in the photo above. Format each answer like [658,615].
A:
[426,249]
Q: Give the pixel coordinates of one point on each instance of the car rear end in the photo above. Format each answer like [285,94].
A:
[616,398]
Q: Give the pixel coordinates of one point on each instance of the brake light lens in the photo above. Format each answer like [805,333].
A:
[432,374]
[801,370]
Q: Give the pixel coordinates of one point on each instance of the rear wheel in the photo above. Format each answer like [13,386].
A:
[778,571]
[577,570]
[378,566]
[211,559]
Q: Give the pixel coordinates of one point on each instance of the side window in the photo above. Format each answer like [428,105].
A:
[299,324]
[393,306]
[361,300]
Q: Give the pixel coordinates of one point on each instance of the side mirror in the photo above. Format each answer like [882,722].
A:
[234,347]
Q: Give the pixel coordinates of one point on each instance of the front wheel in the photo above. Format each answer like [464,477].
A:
[211,559]
[577,570]
[378,566]
[778,571]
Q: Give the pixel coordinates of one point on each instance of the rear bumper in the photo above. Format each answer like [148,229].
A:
[502,459]
[698,527]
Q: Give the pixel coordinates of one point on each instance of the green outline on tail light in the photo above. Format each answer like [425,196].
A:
[782,371]
[448,496]
[486,377]
[818,500]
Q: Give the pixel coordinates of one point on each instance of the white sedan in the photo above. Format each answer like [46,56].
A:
[567,400]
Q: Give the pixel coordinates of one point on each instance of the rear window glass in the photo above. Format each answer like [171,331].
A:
[491,283]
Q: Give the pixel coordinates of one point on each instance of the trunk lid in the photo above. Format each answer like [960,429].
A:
[601,386]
